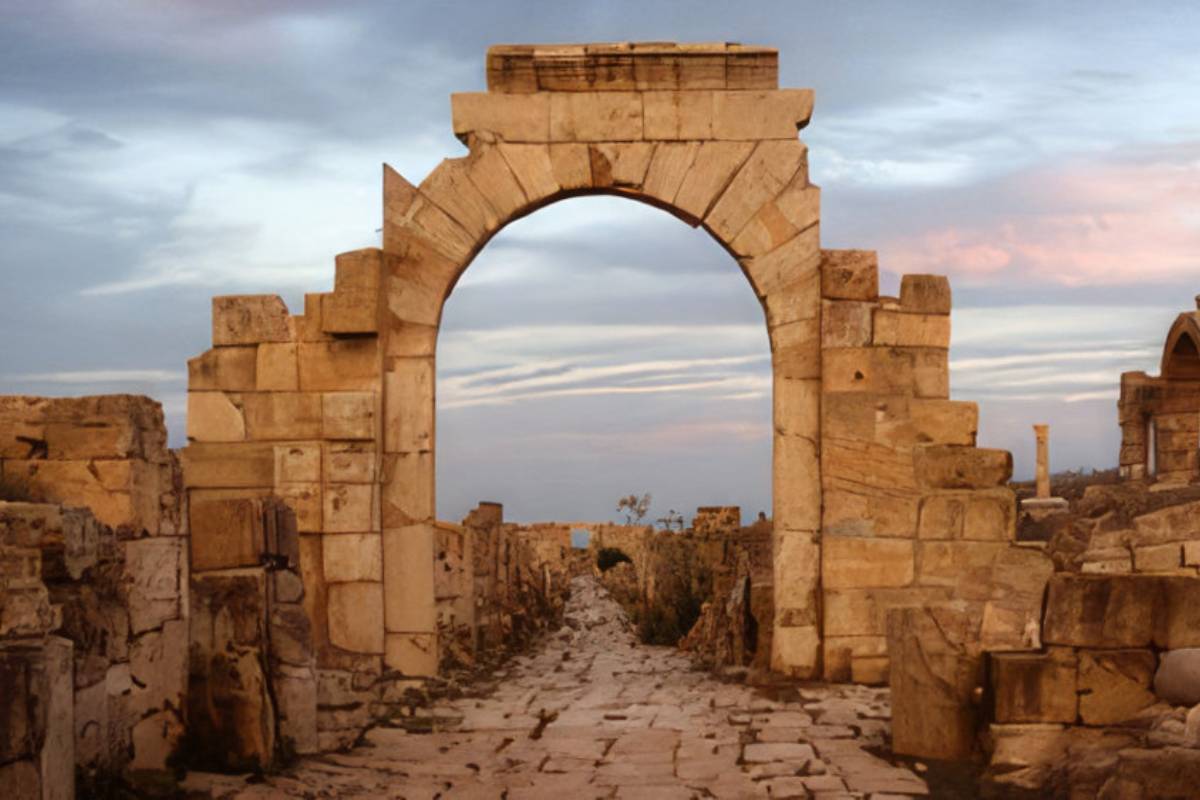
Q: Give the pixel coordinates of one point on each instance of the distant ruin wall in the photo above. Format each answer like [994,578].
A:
[96,569]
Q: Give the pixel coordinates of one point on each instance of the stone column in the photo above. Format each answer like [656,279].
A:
[1043,460]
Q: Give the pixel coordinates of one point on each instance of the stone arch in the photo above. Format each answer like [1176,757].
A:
[726,158]
[1181,353]
[879,493]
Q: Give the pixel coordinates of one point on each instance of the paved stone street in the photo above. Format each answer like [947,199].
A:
[593,714]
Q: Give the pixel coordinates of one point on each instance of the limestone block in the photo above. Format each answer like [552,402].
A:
[297,463]
[1157,558]
[159,672]
[951,467]
[296,696]
[965,566]
[282,415]
[774,114]
[930,371]
[510,117]
[797,483]
[841,653]
[356,616]
[797,406]
[1169,524]
[450,187]
[796,349]
[952,422]
[347,463]
[407,490]
[1178,619]
[415,293]
[249,319]
[307,326]
[595,117]
[845,323]
[358,269]
[1100,611]
[863,612]
[777,221]
[1177,679]
[797,567]
[229,706]
[1191,553]
[795,651]
[489,172]
[349,508]
[156,738]
[408,560]
[849,562]
[153,580]
[668,167]
[678,116]
[787,280]
[76,483]
[344,365]
[408,406]
[750,67]
[348,415]
[305,499]
[869,513]
[856,466]
[246,465]
[572,166]
[877,370]
[413,654]
[213,417]
[277,369]
[1028,754]
[925,294]
[850,275]
[620,164]
[412,222]
[225,533]
[223,369]
[1114,685]
[933,677]
[532,167]
[353,557]
[1035,687]
[710,173]
[901,329]
[26,610]
[408,339]
[769,168]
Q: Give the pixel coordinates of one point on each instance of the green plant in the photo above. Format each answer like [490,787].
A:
[609,557]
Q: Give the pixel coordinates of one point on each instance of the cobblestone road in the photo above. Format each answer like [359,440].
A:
[593,714]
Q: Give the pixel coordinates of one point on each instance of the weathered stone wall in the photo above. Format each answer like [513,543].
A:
[498,583]
[734,628]
[113,573]
[1105,702]
[913,513]
[1160,415]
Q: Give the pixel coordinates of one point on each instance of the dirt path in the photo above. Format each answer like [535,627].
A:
[593,714]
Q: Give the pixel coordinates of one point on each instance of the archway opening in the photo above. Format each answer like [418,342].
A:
[596,348]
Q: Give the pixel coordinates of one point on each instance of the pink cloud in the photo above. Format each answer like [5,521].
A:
[1100,223]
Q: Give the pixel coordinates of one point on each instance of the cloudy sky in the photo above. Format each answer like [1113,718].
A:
[1046,157]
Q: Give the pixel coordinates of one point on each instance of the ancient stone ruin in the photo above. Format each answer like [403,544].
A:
[282,587]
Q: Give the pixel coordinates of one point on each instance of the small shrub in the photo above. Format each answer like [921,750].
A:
[609,557]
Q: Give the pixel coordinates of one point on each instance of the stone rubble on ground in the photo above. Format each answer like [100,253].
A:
[594,714]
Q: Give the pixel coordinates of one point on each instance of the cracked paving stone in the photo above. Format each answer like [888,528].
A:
[625,721]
